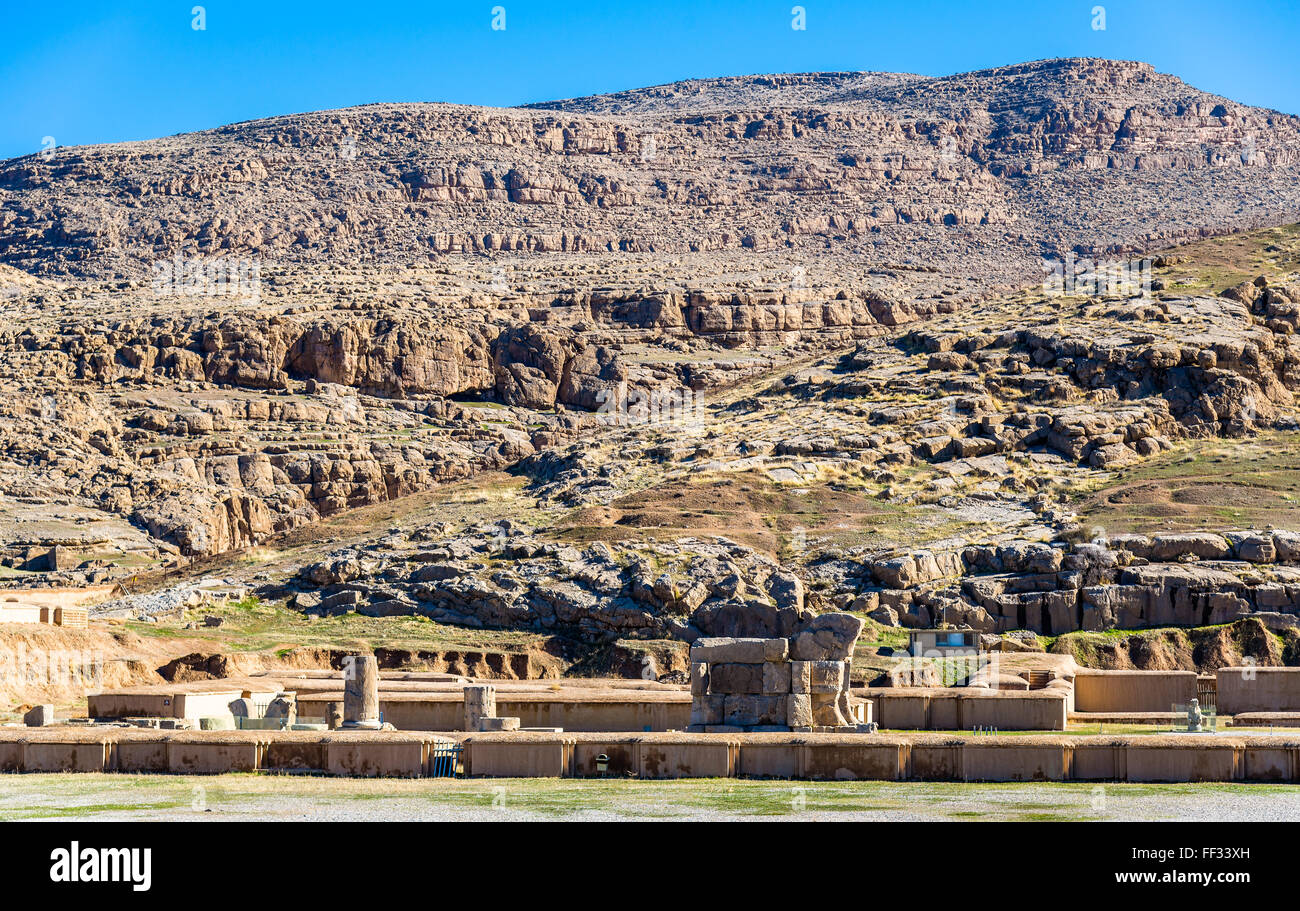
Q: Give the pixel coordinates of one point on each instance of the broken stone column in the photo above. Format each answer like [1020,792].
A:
[488,725]
[480,703]
[361,693]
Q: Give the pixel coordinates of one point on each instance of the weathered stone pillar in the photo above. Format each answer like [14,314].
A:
[480,702]
[361,693]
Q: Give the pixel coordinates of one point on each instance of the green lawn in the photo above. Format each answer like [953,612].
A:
[277,797]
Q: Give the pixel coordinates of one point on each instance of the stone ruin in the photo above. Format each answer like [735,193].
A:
[795,684]
[480,708]
[361,694]
[481,711]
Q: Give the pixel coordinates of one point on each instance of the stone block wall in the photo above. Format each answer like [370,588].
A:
[796,684]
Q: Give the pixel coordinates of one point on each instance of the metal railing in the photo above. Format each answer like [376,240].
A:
[444,760]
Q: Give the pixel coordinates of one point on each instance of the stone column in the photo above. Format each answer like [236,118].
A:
[480,702]
[361,693]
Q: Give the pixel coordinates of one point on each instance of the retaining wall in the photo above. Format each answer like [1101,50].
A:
[1133,691]
[958,709]
[895,708]
[917,757]
[13,612]
[154,703]
[59,597]
[580,712]
[1257,689]
[1266,720]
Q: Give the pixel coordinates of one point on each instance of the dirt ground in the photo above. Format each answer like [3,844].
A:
[1203,649]
[749,508]
[1202,485]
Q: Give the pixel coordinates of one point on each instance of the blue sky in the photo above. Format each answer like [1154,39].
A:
[106,72]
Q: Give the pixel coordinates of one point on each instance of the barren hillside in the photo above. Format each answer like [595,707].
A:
[746,347]
[976,173]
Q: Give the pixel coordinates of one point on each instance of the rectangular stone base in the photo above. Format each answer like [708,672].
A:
[488,725]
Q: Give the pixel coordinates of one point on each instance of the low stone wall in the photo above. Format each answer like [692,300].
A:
[1133,691]
[152,702]
[631,712]
[1266,720]
[918,757]
[665,755]
[59,597]
[1257,689]
[828,757]
[520,755]
[50,606]
[627,711]
[355,754]
[134,704]
[20,613]
[441,710]
[961,709]
[895,708]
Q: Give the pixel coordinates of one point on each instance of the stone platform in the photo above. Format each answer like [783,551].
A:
[879,757]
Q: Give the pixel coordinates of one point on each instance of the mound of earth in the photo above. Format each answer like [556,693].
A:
[1201,649]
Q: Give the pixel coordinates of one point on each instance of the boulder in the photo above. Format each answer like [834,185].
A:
[1204,545]
[1288,546]
[1257,549]
[886,616]
[786,590]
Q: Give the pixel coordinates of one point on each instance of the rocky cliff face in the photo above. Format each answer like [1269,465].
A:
[1128,582]
[507,578]
[209,339]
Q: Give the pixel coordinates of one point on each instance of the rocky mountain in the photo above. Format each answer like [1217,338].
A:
[975,174]
[647,307]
